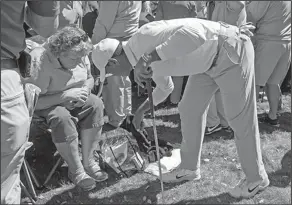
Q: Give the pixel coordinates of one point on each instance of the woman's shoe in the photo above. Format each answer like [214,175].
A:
[94,171]
[82,180]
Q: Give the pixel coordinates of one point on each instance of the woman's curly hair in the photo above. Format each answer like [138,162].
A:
[69,38]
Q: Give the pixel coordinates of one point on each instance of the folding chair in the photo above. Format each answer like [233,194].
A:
[40,122]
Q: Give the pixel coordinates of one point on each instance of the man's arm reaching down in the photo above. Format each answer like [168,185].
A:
[164,86]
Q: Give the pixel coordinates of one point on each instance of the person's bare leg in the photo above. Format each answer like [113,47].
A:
[273,95]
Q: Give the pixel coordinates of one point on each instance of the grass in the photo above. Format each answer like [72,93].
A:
[220,172]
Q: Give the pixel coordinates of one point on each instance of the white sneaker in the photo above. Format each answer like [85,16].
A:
[247,190]
[179,175]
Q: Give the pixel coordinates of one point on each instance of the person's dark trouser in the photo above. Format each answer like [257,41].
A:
[63,122]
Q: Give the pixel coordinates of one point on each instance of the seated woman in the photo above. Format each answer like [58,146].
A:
[64,77]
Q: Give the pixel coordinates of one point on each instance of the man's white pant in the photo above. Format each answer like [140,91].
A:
[117,95]
[216,113]
[237,85]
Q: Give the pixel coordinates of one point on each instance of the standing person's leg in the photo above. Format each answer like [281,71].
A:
[235,79]
[193,110]
[176,94]
[127,95]
[220,111]
[90,122]
[213,120]
[14,132]
[273,84]
[113,96]
[267,55]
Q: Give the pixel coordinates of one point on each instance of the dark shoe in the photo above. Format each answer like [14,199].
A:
[211,130]
[227,129]
[270,121]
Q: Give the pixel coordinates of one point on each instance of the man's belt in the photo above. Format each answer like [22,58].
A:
[9,64]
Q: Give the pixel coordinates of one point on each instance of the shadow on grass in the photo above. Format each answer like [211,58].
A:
[284,123]
[282,177]
[223,198]
[147,191]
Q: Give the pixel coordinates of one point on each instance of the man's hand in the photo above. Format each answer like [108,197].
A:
[142,70]
[77,95]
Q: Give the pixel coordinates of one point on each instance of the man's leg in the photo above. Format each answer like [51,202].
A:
[14,132]
[193,110]
[273,94]
[127,95]
[90,123]
[114,100]
[237,86]
[267,55]
[213,120]
[65,138]
[220,110]
[273,85]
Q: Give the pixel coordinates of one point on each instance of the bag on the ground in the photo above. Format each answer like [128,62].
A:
[147,145]
[121,154]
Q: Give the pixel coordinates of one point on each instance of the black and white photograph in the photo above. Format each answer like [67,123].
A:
[145,102]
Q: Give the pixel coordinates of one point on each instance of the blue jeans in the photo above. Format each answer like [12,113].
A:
[14,134]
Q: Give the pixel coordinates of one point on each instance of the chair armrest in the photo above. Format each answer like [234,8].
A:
[31,93]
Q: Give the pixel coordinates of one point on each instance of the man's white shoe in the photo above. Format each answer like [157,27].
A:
[247,190]
[179,175]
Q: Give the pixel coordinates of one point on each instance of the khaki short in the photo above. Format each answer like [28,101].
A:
[272,60]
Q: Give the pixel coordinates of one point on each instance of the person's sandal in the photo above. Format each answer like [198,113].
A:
[94,171]
[82,180]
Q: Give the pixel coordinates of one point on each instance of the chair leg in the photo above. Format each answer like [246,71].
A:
[29,182]
[36,182]
[52,171]
[27,193]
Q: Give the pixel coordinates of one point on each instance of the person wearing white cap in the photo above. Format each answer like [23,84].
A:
[215,55]
[118,20]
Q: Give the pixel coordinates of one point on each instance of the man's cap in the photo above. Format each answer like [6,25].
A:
[102,52]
